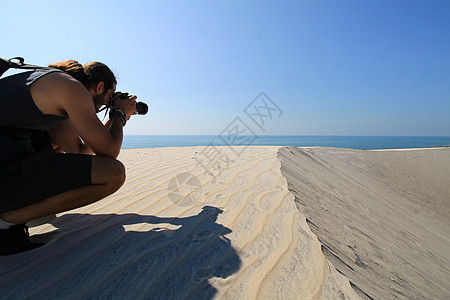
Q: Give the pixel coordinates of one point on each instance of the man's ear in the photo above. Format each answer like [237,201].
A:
[100,88]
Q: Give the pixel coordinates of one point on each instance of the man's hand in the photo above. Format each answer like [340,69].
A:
[128,105]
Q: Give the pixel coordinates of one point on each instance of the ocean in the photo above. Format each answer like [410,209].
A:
[353,142]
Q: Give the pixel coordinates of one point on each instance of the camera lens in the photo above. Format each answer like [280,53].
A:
[141,108]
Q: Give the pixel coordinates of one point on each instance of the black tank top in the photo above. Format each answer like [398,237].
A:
[20,118]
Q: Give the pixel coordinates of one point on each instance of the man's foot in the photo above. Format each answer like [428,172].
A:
[16,239]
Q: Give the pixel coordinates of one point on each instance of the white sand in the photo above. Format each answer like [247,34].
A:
[383,217]
[174,232]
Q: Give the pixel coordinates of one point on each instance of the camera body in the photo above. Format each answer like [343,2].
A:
[141,107]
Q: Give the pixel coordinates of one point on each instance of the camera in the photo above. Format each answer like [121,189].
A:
[141,107]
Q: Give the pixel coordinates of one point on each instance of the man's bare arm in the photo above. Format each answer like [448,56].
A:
[79,106]
[60,94]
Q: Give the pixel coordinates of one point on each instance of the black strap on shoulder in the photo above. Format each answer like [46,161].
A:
[16,63]
[4,66]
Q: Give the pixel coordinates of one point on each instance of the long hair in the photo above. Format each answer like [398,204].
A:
[89,75]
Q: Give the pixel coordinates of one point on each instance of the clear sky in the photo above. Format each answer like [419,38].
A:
[332,67]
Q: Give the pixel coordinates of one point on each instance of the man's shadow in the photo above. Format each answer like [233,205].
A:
[174,260]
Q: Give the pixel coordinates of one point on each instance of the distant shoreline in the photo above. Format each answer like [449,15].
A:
[350,142]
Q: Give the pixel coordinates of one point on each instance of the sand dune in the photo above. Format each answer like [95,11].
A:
[174,231]
[383,217]
[251,223]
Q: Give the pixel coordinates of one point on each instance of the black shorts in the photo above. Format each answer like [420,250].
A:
[41,175]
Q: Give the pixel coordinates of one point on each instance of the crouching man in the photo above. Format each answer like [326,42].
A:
[55,153]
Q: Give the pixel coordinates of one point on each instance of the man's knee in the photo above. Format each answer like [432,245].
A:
[118,173]
[107,170]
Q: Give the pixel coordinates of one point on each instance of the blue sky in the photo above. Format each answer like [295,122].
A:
[332,67]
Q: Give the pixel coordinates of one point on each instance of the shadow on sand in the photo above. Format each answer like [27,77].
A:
[126,256]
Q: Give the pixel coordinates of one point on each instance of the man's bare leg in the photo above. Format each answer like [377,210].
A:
[107,175]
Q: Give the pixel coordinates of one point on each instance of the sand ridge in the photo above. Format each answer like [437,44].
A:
[175,231]
[383,217]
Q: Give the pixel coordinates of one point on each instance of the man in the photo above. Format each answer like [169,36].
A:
[55,108]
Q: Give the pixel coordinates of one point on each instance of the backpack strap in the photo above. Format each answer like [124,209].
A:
[4,66]
[16,63]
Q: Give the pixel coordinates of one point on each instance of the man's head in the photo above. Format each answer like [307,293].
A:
[95,76]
